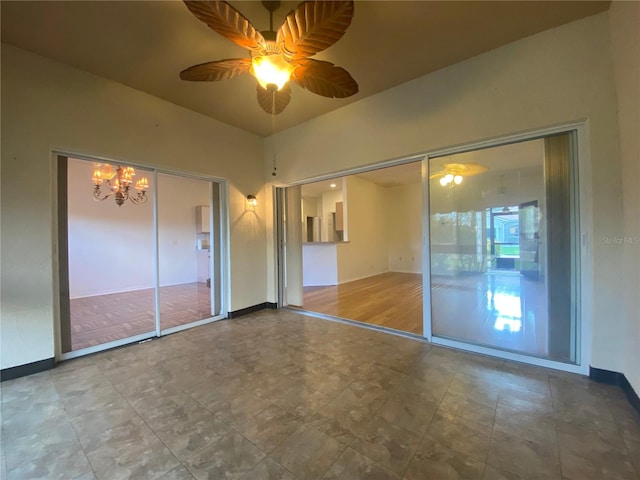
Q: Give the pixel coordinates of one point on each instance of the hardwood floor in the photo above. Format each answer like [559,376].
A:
[502,310]
[106,318]
[392,300]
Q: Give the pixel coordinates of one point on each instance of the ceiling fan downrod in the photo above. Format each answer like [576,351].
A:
[271,6]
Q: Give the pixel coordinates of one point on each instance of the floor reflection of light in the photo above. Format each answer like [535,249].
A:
[508,311]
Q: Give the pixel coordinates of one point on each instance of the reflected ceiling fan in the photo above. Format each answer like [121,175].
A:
[277,57]
[453,173]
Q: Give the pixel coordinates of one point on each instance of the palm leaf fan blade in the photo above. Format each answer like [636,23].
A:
[313,27]
[222,18]
[216,71]
[324,78]
[273,101]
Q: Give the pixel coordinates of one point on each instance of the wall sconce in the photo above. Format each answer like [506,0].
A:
[252,201]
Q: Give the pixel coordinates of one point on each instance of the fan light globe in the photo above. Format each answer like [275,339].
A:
[271,70]
[443,181]
[457,179]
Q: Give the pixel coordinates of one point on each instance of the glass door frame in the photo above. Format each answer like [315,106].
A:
[60,255]
[582,219]
[221,252]
[283,235]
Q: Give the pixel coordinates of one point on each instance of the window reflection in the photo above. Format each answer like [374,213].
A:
[507,310]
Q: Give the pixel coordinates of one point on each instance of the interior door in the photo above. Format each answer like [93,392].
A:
[529,239]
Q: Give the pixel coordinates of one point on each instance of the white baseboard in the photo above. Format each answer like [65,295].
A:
[353,279]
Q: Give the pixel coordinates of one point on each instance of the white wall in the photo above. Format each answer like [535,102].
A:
[319,264]
[624,20]
[366,252]
[329,200]
[177,201]
[110,247]
[403,219]
[558,76]
[47,105]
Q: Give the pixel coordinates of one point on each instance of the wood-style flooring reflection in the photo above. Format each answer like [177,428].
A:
[106,318]
[391,300]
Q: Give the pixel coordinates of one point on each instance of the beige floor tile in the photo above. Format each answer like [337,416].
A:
[492,473]
[464,436]
[191,433]
[434,461]
[227,457]
[615,465]
[129,450]
[178,473]
[353,466]
[387,444]
[529,426]
[269,428]
[466,407]
[278,395]
[535,461]
[308,453]
[269,469]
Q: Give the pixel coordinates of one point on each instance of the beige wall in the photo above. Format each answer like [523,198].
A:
[366,252]
[47,105]
[624,19]
[559,76]
[403,219]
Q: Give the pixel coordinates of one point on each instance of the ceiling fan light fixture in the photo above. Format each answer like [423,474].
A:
[272,69]
[312,27]
[457,179]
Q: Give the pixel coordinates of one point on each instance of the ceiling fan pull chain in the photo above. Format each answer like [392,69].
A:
[273,127]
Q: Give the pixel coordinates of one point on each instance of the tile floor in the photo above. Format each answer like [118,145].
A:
[277,395]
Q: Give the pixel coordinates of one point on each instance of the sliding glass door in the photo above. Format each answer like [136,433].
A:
[110,265]
[140,253]
[187,228]
[503,250]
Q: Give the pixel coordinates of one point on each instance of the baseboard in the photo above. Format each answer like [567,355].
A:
[27,369]
[619,379]
[354,279]
[252,309]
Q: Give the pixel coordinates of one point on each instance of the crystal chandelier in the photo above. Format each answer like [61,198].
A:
[118,183]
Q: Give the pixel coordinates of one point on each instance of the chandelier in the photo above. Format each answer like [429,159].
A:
[118,183]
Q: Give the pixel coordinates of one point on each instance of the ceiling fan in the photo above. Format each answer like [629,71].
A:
[277,57]
[453,173]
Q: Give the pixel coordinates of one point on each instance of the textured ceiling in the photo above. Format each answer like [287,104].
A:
[145,44]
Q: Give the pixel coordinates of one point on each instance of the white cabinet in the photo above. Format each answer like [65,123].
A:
[202,219]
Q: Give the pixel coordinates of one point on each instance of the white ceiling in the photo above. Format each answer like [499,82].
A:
[145,44]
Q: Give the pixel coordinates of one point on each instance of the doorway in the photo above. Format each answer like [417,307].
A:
[356,253]
[140,253]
